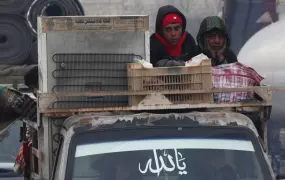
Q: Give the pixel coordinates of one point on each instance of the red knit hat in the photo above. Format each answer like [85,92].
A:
[171,18]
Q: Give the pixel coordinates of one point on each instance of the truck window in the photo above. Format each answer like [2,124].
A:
[166,155]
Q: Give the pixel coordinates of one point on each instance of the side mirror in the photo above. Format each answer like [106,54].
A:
[280,177]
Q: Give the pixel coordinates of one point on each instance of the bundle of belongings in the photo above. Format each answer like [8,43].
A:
[233,75]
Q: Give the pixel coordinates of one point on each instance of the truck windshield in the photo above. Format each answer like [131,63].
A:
[167,155]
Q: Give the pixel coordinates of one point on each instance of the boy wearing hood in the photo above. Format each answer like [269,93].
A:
[171,45]
[213,40]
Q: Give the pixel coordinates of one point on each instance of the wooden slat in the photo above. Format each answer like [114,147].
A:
[70,112]
[277,88]
[126,93]
[45,100]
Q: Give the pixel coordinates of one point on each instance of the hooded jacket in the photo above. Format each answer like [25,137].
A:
[215,23]
[158,52]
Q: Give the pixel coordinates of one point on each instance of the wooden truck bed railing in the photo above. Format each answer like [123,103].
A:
[154,100]
[158,89]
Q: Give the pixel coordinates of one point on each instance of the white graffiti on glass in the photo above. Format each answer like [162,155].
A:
[162,165]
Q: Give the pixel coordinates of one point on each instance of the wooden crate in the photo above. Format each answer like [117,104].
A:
[169,79]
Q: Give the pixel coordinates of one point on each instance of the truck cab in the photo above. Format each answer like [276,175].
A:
[199,145]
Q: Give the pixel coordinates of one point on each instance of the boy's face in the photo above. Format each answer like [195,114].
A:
[172,33]
[215,40]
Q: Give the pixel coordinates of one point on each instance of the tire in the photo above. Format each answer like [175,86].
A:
[80,7]
[52,8]
[15,39]
[15,6]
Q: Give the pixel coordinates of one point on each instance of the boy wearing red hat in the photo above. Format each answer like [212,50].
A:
[171,45]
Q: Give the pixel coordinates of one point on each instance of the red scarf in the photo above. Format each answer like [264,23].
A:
[172,50]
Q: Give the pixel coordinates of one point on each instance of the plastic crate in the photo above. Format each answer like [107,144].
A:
[169,79]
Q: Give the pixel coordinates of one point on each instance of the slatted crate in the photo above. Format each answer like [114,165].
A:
[171,79]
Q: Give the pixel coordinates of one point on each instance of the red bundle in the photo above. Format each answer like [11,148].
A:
[234,75]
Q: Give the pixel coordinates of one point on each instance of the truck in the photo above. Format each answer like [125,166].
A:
[170,128]
[152,141]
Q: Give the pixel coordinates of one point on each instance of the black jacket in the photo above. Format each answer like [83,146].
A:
[157,50]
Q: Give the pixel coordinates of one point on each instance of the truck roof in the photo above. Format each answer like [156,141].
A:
[114,120]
